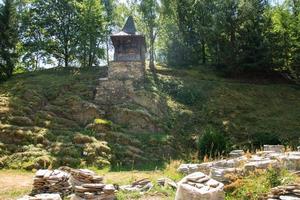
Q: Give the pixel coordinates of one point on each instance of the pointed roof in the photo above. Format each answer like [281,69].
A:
[129,26]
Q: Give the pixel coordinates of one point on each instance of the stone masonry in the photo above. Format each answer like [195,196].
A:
[119,86]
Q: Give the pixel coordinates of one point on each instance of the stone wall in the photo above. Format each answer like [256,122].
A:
[123,79]
[133,70]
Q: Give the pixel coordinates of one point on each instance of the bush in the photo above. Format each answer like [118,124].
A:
[260,139]
[274,177]
[212,143]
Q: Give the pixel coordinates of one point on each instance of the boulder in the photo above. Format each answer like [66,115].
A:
[198,186]
[298,148]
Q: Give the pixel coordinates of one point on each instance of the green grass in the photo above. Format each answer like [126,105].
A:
[258,184]
[239,109]
[40,109]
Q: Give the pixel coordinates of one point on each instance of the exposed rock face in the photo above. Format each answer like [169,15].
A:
[137,120]
[125,100]
[198,186]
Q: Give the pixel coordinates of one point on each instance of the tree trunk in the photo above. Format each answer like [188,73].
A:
[151,60]
[203,53]
[66,60]
[107,50]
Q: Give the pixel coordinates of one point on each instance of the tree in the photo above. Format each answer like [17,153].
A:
[286,40]
[8,39]
[109,18]
[91,32]
[253,47]
[149,10]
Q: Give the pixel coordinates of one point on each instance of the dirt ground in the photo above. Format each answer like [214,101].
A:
[14,185]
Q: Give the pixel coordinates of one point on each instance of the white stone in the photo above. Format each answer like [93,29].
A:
[275,148]
[292,162]
[211,189]
[289,198]
[222,174]
[236,153]
[262,164]
[188,168]
[45,196]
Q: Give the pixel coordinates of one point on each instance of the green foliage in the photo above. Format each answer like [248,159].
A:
[274,177]
[240,37]
[67,32]
[8,39]
[260,139]
[91,32]
[255,185]
[212,143]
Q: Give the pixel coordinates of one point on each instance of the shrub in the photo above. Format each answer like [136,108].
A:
[211,143]
[274,177]
[260,139]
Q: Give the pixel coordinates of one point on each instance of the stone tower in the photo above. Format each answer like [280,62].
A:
[127,71]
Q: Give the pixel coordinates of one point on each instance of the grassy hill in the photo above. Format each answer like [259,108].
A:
[49,117]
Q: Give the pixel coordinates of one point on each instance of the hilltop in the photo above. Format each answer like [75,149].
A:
[50,118]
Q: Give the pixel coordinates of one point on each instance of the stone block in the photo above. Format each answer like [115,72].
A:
[134,70]
[262,164]
[224,174]
[275,148]
[236,153]
[198,186]
[188,168]
[291,162]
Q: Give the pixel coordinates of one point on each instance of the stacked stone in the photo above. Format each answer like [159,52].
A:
[95,191]
[140,185]
[198,186]
[88,185]
[48,181]
[83,176]
[289,192]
